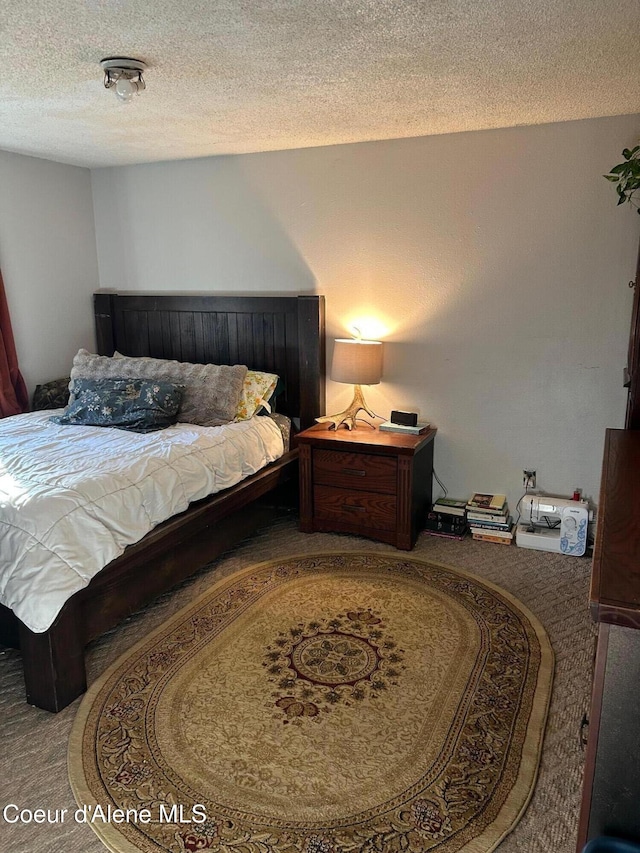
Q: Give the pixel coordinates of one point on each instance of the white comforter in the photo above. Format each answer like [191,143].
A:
[73,497]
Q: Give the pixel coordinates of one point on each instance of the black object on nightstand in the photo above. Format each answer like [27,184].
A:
[404,418]
[372,483]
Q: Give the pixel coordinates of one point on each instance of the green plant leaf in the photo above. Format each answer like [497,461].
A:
[626,176]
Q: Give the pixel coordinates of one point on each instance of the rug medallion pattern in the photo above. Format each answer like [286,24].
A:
[333,703]
[348,650]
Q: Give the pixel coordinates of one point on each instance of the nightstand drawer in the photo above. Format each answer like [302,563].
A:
[364,471]
[359,509]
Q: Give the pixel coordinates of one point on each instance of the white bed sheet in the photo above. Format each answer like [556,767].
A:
[73,497]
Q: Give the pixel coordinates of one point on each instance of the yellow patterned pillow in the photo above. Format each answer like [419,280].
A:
[256,391]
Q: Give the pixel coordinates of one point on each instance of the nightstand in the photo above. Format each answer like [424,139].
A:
[363,481]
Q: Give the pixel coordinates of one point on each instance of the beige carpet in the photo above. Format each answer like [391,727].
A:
[33,769]
[338,702]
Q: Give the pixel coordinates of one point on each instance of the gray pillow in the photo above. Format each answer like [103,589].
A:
[211,391]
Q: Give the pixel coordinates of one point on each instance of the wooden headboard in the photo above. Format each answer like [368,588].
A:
[278,334]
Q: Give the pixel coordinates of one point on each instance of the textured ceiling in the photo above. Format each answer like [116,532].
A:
[258,75]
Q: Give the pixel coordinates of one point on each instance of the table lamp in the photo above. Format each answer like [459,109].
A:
[355,362]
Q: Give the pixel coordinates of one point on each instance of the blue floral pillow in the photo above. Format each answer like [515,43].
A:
[139,405]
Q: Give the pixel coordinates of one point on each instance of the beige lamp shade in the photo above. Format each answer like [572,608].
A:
[357,362]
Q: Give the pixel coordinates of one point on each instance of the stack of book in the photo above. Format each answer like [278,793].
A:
[489,520]
[418,429]
[447,517]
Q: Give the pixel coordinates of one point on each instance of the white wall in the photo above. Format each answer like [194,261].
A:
[495,264]
[48,262]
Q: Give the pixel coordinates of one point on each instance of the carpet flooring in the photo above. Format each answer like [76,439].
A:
[33,771]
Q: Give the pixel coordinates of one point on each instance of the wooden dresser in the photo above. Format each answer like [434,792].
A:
[611,786]
[376,484]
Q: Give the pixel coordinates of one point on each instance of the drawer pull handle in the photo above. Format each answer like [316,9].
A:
[584,732]
[354,472]
[353,508]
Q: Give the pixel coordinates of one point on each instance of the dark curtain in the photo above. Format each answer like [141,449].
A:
[13,392]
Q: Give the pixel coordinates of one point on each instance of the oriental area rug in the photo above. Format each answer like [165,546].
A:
[327,703]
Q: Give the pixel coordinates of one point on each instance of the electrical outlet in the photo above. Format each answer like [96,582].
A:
[528,478]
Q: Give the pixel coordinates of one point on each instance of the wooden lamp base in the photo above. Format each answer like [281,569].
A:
[349,417]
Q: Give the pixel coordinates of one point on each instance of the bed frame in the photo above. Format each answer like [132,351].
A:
[279,334]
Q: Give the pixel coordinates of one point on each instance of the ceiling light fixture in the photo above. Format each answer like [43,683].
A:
[124,76]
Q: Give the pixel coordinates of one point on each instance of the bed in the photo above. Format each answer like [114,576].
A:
[279,334]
